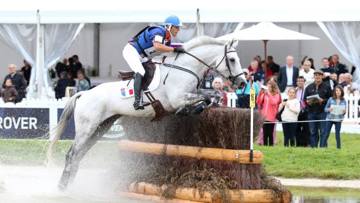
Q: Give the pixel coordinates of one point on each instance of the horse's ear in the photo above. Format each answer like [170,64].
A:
[234,43]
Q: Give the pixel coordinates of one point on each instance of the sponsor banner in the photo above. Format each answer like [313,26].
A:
[69,132]
[24,122]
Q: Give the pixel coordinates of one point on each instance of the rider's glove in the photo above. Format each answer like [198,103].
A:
[179,50]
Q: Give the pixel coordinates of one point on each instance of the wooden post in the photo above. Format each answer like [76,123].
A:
[265,48]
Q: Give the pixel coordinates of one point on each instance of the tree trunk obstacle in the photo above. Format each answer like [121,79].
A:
[202,158]
[239,156]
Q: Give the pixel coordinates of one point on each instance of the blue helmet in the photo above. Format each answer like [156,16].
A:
[173,20]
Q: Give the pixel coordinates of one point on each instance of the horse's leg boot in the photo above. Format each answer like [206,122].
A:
[137,90]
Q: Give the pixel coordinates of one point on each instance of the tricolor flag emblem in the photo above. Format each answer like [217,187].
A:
[123,92]
[131,91]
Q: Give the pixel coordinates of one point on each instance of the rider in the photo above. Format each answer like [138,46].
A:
[150,42]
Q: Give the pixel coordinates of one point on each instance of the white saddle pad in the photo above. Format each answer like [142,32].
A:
[127,87]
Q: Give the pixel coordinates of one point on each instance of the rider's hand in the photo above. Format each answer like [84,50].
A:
[179,50]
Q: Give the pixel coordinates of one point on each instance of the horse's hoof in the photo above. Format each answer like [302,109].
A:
[183,111]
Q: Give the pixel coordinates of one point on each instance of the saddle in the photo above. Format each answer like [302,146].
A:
[150,68]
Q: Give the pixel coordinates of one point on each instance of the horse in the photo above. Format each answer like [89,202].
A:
[97,109]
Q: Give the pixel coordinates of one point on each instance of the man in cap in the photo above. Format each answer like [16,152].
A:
[316,96]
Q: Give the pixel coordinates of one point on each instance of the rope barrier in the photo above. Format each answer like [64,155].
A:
[309,121]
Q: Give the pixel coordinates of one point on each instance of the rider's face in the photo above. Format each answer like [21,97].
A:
[174,30]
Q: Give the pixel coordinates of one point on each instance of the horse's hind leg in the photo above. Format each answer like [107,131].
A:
[80,148]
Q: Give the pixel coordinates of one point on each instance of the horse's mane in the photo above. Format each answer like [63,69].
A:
[202,40]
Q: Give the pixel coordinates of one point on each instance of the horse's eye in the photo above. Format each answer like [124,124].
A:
[232,60]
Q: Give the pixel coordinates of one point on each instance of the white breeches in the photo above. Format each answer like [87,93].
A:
[133,58]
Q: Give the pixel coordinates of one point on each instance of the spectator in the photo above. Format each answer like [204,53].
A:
[302,132]
[326,68]
[288,74]
[335,109]
[274,67]
[9,92]
[268,103]
[228,86]
[268,72]
[339,67]
[208,79]
[71,81]
[353,69]
[243,92]
[307,72]
[351,86]
[62,67]
[77,61]
[75,65]
[256,71]
[330,79]
[331,63]
[83,84]
[316,96]
[18,81]
[290,114]
[26,71]
[342,80]
[312,63]
[73,68]
[306,58]
[63,82]
[220,95]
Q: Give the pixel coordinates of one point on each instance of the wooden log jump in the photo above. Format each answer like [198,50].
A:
[235,196]
[240,156]
[152,198]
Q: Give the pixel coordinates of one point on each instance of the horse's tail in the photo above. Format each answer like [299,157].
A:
[60,127]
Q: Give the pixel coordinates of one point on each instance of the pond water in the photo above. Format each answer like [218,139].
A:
[20,184]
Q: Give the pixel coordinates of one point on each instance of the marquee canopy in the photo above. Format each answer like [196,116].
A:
[110,11]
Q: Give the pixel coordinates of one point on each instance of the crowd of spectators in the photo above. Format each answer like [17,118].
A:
[306,100]
[69,73]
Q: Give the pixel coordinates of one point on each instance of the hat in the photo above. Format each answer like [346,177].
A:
[318,72]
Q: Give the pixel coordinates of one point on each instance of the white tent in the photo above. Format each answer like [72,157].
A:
[266,31]
[109,11]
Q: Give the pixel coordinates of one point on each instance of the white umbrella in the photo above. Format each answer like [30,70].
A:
[266,31]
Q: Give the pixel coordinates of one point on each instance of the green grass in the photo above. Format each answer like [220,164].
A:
[321,192]
[329,163]
[279,161]
[28,152]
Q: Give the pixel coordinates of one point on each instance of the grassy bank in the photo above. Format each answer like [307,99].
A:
[279,161]
[328,163]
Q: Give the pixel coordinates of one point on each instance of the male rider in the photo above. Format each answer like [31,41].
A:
[150,42]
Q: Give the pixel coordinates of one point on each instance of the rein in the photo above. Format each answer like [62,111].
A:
[231,77]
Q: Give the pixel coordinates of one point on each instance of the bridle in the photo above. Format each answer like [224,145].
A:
[231,77]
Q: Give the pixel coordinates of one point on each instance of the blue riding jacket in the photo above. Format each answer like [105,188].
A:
[143,41]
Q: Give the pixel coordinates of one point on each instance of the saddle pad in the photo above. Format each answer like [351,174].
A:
[127,87]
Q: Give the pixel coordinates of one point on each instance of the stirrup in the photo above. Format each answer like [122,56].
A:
[137,106]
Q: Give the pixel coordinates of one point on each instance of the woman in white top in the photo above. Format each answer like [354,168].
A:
[307,72]
[290,117]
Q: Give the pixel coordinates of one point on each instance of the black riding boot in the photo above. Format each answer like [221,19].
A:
[137,89]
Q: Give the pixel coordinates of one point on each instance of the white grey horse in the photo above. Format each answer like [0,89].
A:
[97,109]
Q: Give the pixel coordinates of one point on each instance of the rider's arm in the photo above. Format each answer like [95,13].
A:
[162,48]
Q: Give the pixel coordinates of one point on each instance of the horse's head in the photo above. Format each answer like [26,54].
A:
[229,64]
[217,55]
